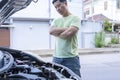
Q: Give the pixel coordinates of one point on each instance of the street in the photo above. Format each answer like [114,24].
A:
[98,66]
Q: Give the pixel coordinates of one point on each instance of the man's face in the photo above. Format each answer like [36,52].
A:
[61,7]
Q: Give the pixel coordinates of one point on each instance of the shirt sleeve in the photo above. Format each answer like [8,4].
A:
[76,22]
[53,24]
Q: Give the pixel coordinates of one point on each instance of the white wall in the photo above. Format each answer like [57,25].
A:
[30,35]
[76,7]
[88,29]
[34,10]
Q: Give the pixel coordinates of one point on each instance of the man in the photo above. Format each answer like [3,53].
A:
[65,30]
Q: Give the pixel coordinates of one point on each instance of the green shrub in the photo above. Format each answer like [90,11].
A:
[107,26]
[99,39]
[114,40]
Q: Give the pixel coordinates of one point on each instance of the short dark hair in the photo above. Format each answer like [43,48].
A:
[59,0]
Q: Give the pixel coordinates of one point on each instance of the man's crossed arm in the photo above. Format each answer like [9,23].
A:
[64,33]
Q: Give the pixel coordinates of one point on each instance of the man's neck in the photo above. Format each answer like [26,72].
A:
[67,14]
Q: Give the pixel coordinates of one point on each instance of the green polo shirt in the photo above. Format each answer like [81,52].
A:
[65,48]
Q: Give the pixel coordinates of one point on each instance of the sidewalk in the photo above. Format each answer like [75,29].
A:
[84,51]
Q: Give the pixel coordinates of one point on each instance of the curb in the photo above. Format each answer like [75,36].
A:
[85,51]
[98,51]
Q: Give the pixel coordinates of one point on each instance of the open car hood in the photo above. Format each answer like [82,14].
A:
[19,65]
[9,7]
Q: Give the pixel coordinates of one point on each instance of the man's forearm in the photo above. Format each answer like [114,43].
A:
[56,31]
[68,33]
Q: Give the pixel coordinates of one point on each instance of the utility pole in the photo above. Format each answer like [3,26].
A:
[49,15]
[82,7]
[92,6]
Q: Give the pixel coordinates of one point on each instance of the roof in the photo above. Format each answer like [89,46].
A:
[88,1]
[85,0]
[98,17]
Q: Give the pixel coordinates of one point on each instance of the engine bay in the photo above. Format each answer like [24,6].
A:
[19,65]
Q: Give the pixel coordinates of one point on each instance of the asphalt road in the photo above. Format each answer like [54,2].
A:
[98,66]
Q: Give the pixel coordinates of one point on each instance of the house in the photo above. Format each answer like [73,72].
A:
[109,8]
[98,10]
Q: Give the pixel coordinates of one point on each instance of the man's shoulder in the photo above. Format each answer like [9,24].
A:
[74,16]
[57,19]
